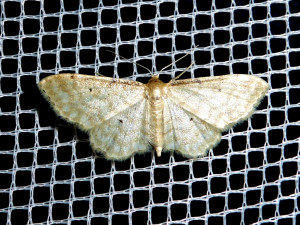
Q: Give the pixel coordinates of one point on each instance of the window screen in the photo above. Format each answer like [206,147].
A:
[48,172]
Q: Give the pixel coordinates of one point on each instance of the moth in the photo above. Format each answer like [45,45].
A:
[124,117]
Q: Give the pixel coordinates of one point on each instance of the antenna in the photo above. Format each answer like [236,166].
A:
[179,60]
[131,61]
[162,68]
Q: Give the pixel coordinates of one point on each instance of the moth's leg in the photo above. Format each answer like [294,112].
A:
[175,78]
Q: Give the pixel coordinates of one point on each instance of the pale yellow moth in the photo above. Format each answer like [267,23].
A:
[124,117]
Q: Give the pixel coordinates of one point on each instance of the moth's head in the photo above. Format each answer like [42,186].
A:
[155,80]
[155,77]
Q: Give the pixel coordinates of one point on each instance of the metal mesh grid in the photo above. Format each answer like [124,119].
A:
[48,172]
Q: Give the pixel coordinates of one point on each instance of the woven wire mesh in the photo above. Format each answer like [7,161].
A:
[48,173]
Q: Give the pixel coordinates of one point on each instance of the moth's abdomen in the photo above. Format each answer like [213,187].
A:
[157,124]
[156,91]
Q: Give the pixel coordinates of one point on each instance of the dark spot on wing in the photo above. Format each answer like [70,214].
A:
[91,89]
[121,121]
[191,119]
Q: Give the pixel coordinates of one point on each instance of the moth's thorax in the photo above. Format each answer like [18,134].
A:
[156,91]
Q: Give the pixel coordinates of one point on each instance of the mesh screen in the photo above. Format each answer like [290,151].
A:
[48,173]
